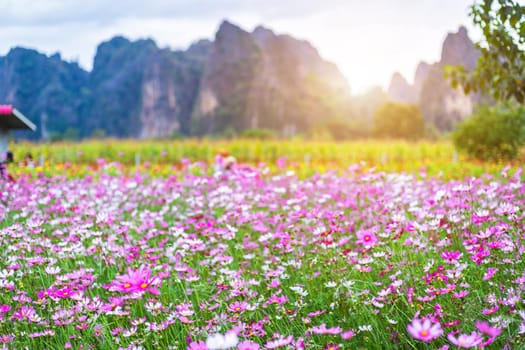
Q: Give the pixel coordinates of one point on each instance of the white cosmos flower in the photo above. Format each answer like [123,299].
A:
[53,270]
[220,342]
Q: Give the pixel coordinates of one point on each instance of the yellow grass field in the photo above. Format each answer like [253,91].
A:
[432,158]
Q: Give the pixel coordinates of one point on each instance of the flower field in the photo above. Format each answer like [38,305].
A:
[257,259]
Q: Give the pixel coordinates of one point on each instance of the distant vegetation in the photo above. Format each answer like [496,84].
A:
[500,70]
[492,133]
[495,132]
[398,121]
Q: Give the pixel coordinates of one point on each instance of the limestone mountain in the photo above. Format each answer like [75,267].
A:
[401,90]
[264,80]
[439,103]
[139,90]
[47,89]
[240,80]
[136,89]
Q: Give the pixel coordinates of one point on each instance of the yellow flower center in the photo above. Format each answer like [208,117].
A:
[423,333]
[127,285]
[144,286]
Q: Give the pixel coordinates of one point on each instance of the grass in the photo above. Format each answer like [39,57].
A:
[306,158]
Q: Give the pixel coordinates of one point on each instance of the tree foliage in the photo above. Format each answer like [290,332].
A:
[492,133]
[500,71]
[398,120]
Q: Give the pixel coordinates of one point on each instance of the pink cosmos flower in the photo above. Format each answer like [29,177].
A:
[26,313]
[248,345]
[63,293]
[366,238]
[139,280]
[6,338]
[4,309]
[197,346]
[491,271]
[279,342]
[323,330]
[490,311]
[332,347]
[238,306]
[466,340]
[275,299]
[484,327]
[347,334]
[460,294]
[424,330]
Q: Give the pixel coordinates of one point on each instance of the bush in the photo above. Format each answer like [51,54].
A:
[258,134]
[399,121]
[492,133]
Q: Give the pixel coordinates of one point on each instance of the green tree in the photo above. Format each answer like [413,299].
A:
[398,120]
[98,134]
[258,134]
[492,133]
[71,134]
[500,70]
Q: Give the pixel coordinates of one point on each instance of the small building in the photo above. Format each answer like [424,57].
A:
[11,119]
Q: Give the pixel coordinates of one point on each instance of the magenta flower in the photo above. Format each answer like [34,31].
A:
[197,346]
[4,309]
[323,330]
[366,238]
[484,327]
[332,347]
[275,299]
[491,271]
[424,330]
[279,342]
[63,293]
[490,311]
[248,345]
[347,334]
[139,280]
[6,338]
[26,313]
[451,257]
[466,340]
[238,306]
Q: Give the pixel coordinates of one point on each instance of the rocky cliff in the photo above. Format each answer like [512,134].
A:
[264,80]
[134,90]
[401,90]
[439,103]
[47,89]
[139,90]
[240,80]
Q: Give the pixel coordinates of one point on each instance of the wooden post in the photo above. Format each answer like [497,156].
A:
[306,159]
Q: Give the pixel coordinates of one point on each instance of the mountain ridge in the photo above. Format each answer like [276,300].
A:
[440,104]
[236,81]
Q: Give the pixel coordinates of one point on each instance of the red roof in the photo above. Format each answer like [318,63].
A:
[6,109]
[11,118]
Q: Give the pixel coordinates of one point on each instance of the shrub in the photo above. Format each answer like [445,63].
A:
[492,133]
[399,121]
[258,134]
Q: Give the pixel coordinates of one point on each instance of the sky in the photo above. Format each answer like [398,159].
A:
[369,40]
